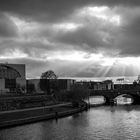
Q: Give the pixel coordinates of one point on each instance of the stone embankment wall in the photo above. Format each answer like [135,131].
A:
[18,117]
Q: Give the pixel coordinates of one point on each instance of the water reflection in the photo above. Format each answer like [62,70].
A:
[123,100]
[97,100]
[102,123]
[29,132]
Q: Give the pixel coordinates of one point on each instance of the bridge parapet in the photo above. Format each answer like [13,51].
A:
[110,95]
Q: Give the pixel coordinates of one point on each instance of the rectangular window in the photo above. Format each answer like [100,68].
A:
[10,83]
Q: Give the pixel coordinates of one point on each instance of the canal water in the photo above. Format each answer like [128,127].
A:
[120,122]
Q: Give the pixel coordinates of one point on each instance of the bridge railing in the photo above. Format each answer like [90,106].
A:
[118,91]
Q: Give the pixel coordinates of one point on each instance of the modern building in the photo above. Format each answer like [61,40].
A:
[33,86]
[42,85]
[104,85]
[126,86]
[12,78]
[65,84]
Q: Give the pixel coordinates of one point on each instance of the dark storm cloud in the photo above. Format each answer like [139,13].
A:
[33,48]
[129,45]
[41,9]
[33,32]
[59,10]
[128,39]
[55,9]
[7,27]
[87,38]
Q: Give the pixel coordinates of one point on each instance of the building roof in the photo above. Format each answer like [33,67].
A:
[8,72]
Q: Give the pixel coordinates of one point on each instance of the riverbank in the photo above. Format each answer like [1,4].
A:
[100,123]
[24,116]
[96,105]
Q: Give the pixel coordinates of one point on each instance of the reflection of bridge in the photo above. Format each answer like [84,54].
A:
[110,95]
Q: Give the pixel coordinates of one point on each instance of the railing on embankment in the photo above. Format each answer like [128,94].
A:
[18,117]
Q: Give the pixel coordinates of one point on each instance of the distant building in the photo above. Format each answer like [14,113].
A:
[12,78]
[65,84]
[104,85]
[41,85]
[87,84]
[125,86]
[33,86]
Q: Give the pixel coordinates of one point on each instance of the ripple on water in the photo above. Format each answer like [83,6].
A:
[100,123]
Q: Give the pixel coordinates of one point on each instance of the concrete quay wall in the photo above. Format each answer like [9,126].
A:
[23,119]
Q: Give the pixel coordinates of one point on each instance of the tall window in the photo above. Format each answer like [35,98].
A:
[10,83]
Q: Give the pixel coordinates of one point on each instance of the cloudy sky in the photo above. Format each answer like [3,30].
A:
[82,38]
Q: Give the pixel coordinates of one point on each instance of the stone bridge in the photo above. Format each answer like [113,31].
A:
[110,95]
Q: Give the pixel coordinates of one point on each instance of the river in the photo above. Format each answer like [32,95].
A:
[99,123]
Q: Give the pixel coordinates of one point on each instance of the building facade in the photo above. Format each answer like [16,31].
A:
[12,78]
[40,86]
[104,85]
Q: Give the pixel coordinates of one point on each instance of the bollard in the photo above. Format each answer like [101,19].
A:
[56,115]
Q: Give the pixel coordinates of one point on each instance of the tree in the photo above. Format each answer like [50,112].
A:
[46,82]
[78,93]
[49,75]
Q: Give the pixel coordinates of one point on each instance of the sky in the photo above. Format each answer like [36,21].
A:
[74,38]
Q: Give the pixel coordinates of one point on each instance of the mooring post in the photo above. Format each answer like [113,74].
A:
[56,115]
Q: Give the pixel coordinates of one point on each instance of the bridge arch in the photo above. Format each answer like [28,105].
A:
[96,100]
[124,95]
[110,95]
